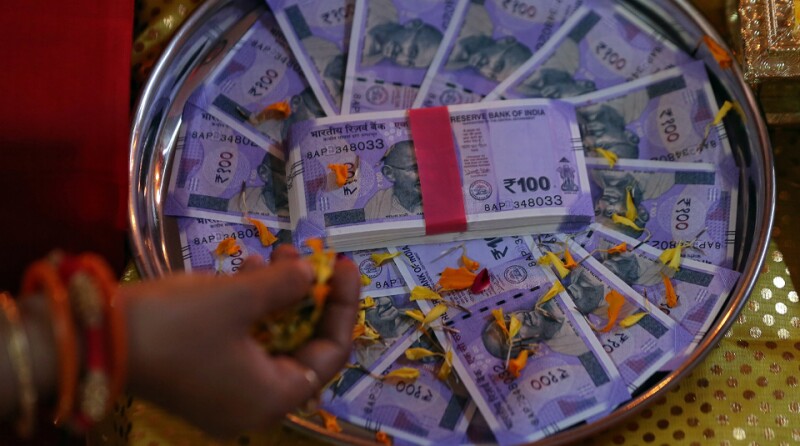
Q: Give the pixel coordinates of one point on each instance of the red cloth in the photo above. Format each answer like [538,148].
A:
[64,124]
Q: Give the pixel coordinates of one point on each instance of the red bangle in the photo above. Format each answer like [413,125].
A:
[42,277]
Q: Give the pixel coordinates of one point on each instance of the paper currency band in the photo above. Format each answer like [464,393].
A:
[439,176]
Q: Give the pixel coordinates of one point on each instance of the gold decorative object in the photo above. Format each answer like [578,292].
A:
[770,55]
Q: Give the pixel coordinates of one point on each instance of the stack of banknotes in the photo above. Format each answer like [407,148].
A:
[580,133]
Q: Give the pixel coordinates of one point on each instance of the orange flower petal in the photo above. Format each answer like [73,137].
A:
[382,438]
[672,297]
[316,245]
[264,234]
[456,279]
[330,421]
[615,303]
[227,247]
[516,365]
[720,55]
[359,330]
[320,292]
[618,249]
[569,262]
[277,110]
[469,263]
[340,172]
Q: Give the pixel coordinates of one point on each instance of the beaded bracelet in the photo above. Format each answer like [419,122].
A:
[20,354]
[42,277]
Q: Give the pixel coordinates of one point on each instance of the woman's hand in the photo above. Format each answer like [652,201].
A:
[191,350]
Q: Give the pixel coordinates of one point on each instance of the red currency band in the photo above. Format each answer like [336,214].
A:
[439,176]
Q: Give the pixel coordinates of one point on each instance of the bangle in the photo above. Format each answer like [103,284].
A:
[20,354]
[42,277]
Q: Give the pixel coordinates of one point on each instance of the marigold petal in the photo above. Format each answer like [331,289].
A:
[618,249]
[516,365]
[264,234]
[367,302]
[227,247]
[380,259]
[669,291]
[456,278]
[415,314]
[481,282]
[446,367]
[671,257]
[320,292]
[371,334]
[417,353]
[500,320]
[615,303]
[557,264]
[720,55]
[631,320]
[469,263]
[620,220]
[382,438]
[330,421]
[277,110]
[552,292]
[340,173]
[435,313]
[569,262]
[316,244]
[403,373]
[424,293]
[630,207]
[610,156]
[359,330]
[365,280]
[514,326]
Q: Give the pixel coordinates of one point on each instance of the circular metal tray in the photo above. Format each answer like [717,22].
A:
[218,24]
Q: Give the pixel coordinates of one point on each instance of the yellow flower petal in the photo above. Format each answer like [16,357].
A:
[456,279]
[424,293]
[227,247]
[435,313]
[516,365]
[446,367]
[720,55]
[362,317]
[514,327]
[417,353]
[610,156]
[358,331]
[264,234]
[551,293]
[569,262]
[557,264]
[618,249]
[403,373]
[671,257]
[371,334]
[615,302]
[631,320]
[500,320]
[367,302]
[380,259]
[415,314]
[330,421]
[469,264]
[669,291]
[620,220]
[340,173]
[630,207]
[365,280]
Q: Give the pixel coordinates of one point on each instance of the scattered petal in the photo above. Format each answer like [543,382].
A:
[403,373]
[631,320]
[671,257]
[435,313]
[330,421]
[320,292]
[620,220]
[370,334]
[551,293]
[316,245]
[569,262]
[481,282]
[340,173]
[469,264]
[551,259]
[424,293]
[382,438]
[447,366]
[367,302]
[380,259]
[415,314]
[618,249]
[501,321]
[513,327]
[264,234]
[516,365]
[672,297]
[417,353]
[720,55]
[630,207]
[358,331]
[227,247]
[456,279]
[615,302]
[610,156]
[365,280]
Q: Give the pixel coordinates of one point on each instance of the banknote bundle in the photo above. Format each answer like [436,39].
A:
[521,170]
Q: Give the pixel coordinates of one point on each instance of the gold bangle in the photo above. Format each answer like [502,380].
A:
[20,354]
